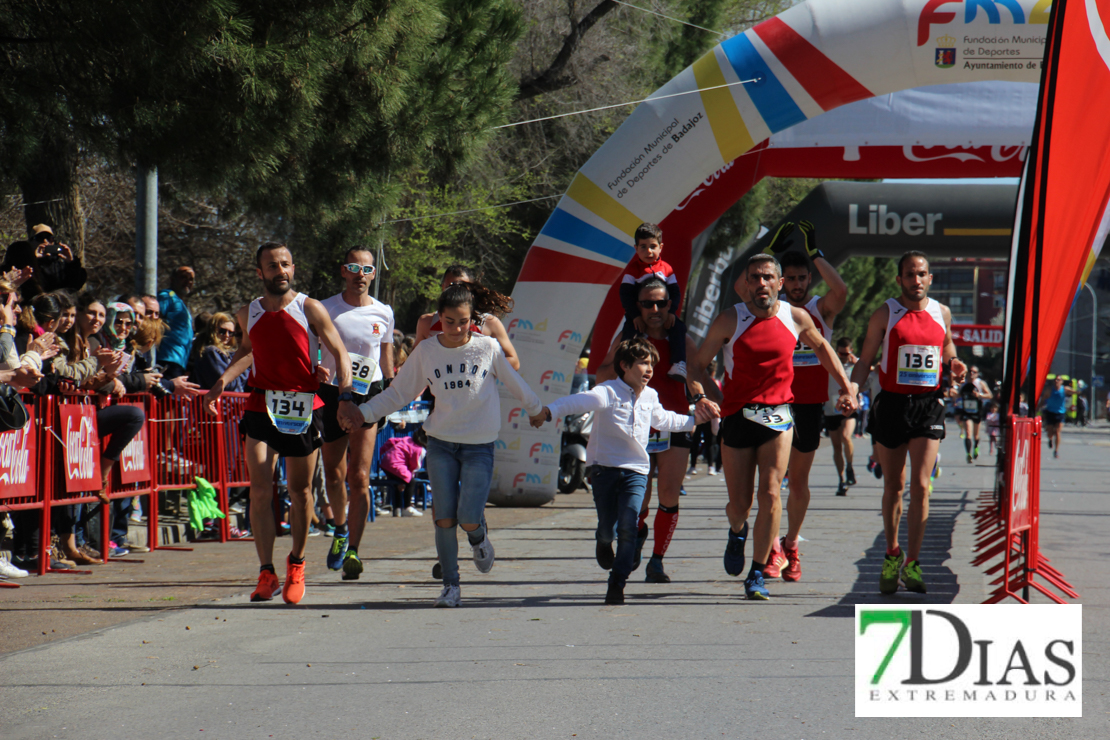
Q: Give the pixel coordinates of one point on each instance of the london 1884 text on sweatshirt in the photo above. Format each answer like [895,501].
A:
[468,409]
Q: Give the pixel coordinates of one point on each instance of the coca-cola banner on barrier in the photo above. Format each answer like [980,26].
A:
[134,462]
[81,453]
[17,462]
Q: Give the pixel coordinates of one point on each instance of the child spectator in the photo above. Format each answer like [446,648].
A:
[993,422]
[648,263]
[626,410]
[401,457]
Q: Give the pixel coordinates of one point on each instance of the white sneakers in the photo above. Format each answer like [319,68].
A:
[483,555]
[677,371]
[449,598]
[412,511]
[7,570]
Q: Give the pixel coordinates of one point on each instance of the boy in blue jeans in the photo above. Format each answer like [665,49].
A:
[648,263]
[626,411]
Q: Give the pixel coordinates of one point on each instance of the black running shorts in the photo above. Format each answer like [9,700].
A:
[834,422]
[327,416]
[1051,418]
[896,418]
[257,425]
[741,433]
[681,439]
[808,420]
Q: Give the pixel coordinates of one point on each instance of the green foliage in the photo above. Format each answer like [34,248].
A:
[309,109]
[418,248]
[870,282]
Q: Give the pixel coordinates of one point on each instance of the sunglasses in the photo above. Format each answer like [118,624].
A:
[225,332]
[123,322]
[655,304]
[356,269]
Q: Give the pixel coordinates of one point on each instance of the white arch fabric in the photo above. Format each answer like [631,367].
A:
[813,58]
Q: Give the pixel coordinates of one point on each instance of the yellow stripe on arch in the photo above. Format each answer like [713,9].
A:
[587,193]
[732,135]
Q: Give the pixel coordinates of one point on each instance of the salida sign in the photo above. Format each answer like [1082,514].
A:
[81,447]
[984,335]
[969,660]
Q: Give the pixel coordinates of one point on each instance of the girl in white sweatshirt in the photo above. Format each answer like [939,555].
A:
[459,369]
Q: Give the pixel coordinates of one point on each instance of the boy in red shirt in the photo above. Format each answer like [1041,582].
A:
[648,263]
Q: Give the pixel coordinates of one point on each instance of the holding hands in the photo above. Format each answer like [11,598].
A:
[538,420]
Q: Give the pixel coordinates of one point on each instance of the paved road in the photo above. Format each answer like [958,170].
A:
[535,654]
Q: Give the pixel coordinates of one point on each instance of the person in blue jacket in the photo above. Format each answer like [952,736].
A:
[177,342]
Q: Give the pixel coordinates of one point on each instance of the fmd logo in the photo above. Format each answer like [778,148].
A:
[526,479]
[542,451]
[969,661]
[936,14]
[528,331]
[516,416]
[569,337]
[551,377]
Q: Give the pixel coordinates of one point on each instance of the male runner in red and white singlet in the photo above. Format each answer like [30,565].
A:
[668,452]
[758,339]
[280,332]
[489,325]
[810,389]
[914,333]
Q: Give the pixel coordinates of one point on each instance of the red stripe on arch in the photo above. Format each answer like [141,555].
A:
[825,81]
[548,266]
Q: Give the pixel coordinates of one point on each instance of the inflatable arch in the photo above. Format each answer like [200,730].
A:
[813,58]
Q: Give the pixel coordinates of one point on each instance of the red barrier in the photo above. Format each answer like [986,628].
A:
[1010,523]
[55,460]
[20,468]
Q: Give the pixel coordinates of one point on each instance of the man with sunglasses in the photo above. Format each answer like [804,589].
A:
[810,386]
[668,452]
[366,327]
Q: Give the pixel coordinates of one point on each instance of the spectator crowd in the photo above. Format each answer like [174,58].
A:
[58,338]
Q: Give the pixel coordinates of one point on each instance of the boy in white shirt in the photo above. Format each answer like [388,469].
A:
[626,411]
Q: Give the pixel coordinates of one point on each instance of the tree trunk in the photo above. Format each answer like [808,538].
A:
[51,195]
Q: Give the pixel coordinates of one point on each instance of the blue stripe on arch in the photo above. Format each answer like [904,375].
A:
[776,106]
[573,230]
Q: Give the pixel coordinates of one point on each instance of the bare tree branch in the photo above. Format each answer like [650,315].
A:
[555,76]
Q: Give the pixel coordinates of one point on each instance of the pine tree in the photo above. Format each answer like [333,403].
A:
[307,108]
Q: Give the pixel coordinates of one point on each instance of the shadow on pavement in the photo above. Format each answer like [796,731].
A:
[942,583]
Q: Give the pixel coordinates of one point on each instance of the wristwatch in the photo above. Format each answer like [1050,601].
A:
[698,397]
[347,396]
[818,253]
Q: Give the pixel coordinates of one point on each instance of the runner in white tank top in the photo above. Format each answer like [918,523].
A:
[759,339]
[283,319]
[366,327]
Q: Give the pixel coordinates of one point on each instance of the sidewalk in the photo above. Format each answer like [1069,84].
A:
[533,652]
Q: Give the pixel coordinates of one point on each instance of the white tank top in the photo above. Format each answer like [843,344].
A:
[362,329]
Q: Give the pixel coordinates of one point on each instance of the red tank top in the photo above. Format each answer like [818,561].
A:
[912,349]
[284,352]
[758,359]
[811,380]
[672,393]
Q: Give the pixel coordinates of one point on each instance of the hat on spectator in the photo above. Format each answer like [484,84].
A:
[40,229]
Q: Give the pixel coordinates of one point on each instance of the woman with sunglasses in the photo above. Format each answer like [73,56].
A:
[217,346]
